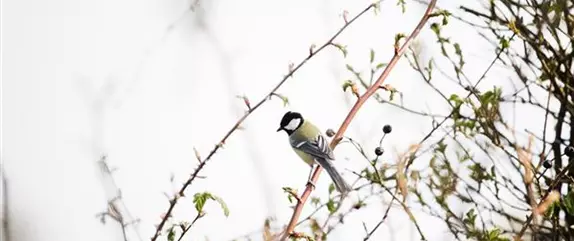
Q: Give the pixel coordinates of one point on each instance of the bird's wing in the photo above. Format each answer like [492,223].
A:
[318,148]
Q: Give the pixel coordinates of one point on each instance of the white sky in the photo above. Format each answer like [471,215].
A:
[82,78]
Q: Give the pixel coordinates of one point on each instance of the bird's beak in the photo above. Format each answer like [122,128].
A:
[279,129]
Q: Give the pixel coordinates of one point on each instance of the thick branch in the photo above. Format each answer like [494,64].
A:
[370,91]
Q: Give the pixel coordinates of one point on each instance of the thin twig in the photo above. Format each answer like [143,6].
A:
[362,99]
[555,182]
[370,233]
[114,208]
[194,175]
[199,215]
[394,195]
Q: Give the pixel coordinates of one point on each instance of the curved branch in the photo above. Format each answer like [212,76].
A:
[312,53]
[362,99]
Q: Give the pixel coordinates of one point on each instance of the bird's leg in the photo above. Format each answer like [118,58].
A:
[309,180]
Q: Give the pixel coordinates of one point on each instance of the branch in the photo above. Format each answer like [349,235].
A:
[312,53]
[116,208]
[197,217]
[555,182]
[370,91]
[370,233]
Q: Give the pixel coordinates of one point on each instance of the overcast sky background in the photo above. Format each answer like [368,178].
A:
[145,81]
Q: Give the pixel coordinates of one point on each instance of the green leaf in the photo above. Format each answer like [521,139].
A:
[435,28]
[315,201]
[470,218]
[444,14]
[201,198]
[381,65]
[331,188]
[376,8]
[372,58]
[544,76]
[347,84]
[479,173]
[403,4]
[493,234]
[171,234]
[357,74]
[568,203]
[342,48]
[283,98]
[454,97]
[441,147]
[504,43]
[398,37]
[368,175]
[222,204]
[457,101]
[457,49]
[429,69]
[315,227]
[549,213]
[331,206]
[350,68]
[290,193]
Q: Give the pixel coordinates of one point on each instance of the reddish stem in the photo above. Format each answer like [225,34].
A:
[370,91]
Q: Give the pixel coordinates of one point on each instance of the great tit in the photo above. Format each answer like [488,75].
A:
[311,146]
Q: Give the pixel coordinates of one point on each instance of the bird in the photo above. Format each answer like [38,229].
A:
[312,147]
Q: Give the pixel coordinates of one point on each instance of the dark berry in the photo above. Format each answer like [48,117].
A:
[330,132]
[379,151]
[546,164]
[387,129]
[569,151]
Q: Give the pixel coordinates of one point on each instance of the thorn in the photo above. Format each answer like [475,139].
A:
[245,101]
[338,140]
[197,155]
[311,49]
[345,14]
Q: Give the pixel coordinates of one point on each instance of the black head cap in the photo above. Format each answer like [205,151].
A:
[287,119]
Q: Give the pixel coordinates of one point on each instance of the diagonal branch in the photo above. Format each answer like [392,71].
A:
[362,99]
[312,53]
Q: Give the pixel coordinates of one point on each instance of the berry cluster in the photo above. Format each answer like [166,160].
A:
[386,129]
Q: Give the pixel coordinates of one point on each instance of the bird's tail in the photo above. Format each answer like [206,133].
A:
[342,186]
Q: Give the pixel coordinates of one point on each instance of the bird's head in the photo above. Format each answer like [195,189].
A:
[290,122]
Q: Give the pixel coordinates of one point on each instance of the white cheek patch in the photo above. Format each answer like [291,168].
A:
[293,124]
